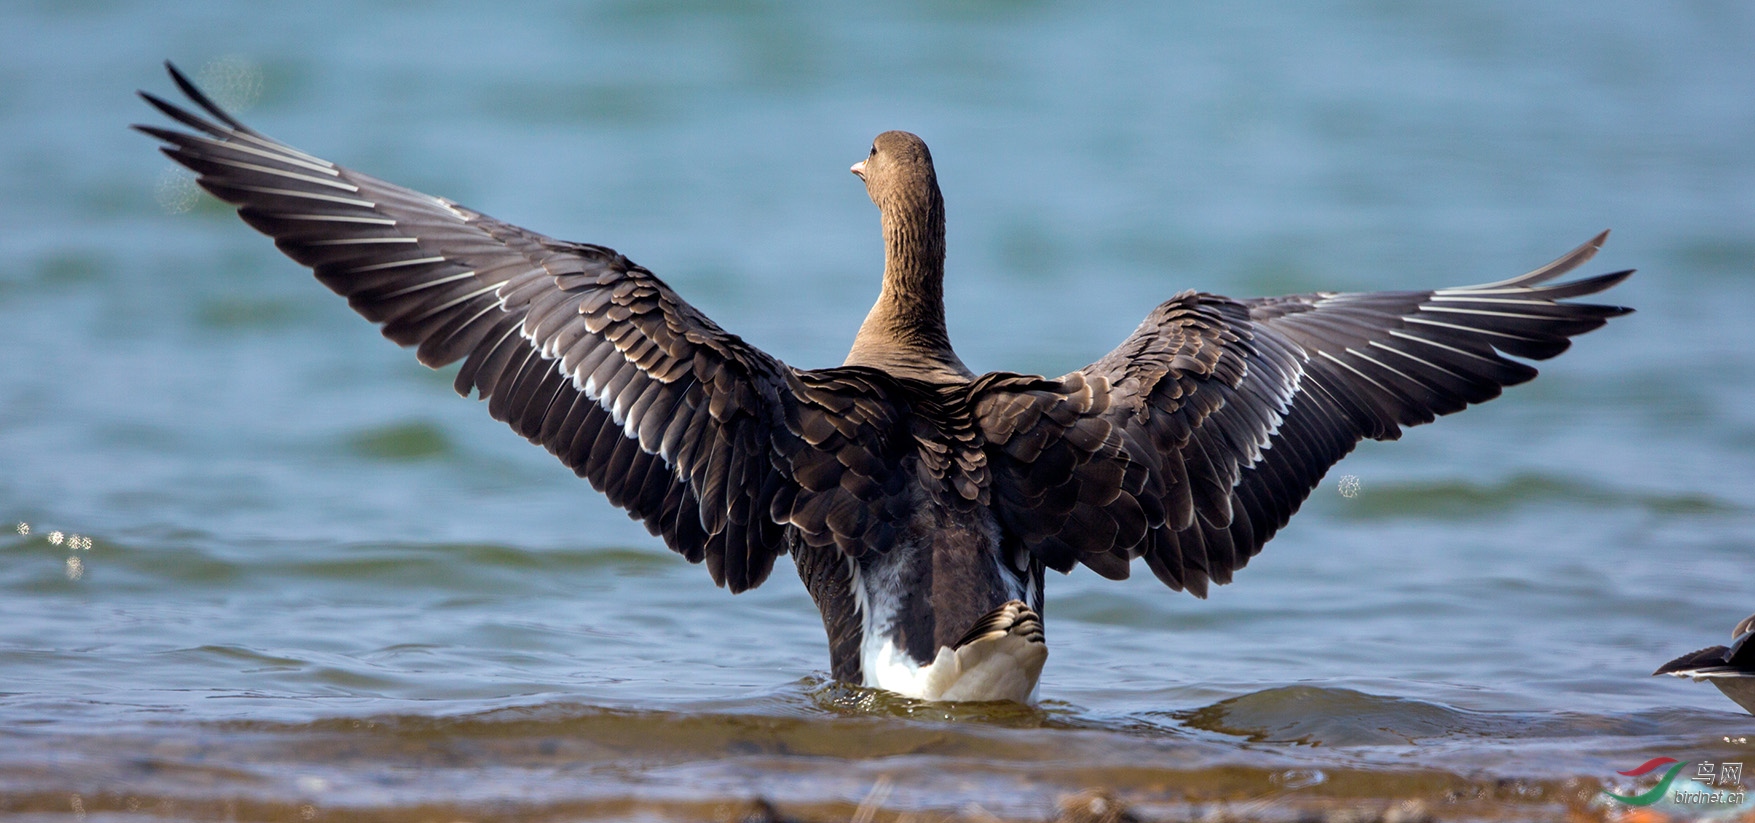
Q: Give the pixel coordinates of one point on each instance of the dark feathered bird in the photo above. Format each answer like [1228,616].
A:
[920,502]
[1730,668]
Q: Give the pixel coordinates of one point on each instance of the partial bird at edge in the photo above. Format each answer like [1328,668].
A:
[1730,668]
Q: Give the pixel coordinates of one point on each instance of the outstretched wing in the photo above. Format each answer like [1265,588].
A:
[1200,435]
[715,445]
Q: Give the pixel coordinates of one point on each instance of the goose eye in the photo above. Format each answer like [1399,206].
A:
[873,150]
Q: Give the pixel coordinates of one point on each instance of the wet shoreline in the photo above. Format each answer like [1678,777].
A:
[816,752]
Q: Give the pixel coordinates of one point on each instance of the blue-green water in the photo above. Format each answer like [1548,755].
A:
[318,578]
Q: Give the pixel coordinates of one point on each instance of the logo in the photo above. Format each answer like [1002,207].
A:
[1655,793]
[1706,772]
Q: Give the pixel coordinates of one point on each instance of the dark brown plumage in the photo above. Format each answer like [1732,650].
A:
[916,497]
[1730,668]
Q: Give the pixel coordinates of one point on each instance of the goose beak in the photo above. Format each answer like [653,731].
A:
[858,169]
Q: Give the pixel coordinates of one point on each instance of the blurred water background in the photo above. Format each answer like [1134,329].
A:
[276,569]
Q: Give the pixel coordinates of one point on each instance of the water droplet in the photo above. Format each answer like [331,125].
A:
[233,81]
[1349,486]
[176,190]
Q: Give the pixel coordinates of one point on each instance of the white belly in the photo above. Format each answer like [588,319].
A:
[1003,663]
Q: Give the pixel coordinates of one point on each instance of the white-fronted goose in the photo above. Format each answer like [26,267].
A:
[1730,668]
[920,502]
